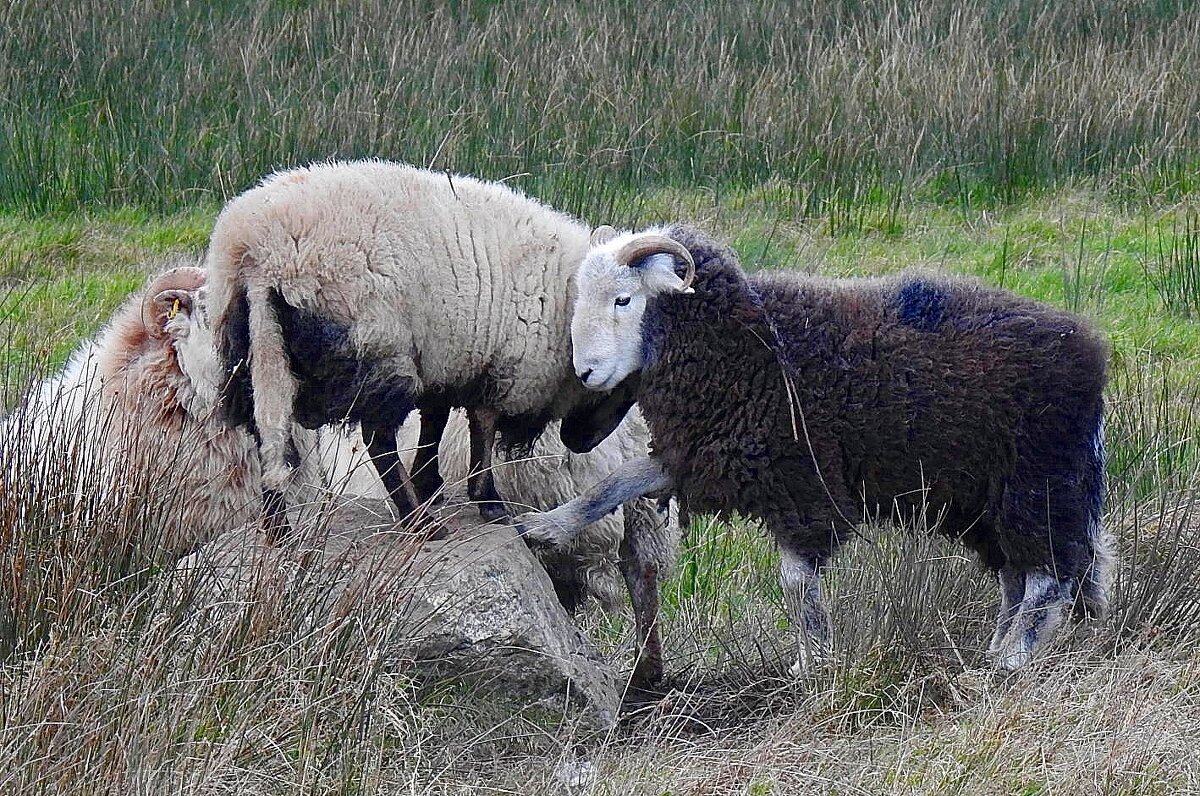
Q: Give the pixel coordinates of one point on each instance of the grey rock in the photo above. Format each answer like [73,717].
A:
[475,605]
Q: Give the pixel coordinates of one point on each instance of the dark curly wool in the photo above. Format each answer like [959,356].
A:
[915,391]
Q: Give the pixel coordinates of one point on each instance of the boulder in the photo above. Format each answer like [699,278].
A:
[474,605]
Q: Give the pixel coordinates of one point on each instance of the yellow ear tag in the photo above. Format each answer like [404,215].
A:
[174,310]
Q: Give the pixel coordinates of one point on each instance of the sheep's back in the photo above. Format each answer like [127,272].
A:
[462,277]
[934,387]
[807,397]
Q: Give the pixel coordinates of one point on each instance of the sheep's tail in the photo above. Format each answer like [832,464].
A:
[259,390]
[1094,588]
[274,388]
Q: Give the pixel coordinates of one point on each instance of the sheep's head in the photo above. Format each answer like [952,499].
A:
[620,274]
[173,312]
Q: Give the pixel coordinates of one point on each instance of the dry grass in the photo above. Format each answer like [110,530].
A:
[113,684]
[109,685]
[847,102]
[849,137]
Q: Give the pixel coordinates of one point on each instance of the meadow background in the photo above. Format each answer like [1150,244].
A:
[1050,147]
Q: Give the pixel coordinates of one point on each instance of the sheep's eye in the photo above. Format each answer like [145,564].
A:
[622,301]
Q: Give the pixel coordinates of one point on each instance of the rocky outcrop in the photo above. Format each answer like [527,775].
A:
[475,605]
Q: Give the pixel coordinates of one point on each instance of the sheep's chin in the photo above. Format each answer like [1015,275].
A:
[610,382]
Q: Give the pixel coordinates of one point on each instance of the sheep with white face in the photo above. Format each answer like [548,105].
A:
[812,403]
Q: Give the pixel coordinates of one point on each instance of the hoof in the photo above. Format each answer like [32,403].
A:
[493,511]
[436,532]
[430,531]
[432,497]
[810,661]
[532,528]
[1009,661]
[646,675]
[424,526]
[276,528]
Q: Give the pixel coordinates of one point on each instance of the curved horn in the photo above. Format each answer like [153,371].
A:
[644,246]
[182,278]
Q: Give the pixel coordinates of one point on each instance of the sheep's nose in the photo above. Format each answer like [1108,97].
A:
[587,374]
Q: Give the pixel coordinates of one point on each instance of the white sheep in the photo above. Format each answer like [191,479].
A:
[361,290]
[135,408]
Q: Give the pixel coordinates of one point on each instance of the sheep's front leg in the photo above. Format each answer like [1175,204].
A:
[426,477]
[642,552]
[1012,592]
[799,574]
[633,479]
[481,483]
[1043,610]
[382,447]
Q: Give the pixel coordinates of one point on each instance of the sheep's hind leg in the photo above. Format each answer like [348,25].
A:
[481,484]
[275,521]
[396,480]
[1012,592]
[274,517]
[799,574]
[1044,608]
[641,555]
[426,477]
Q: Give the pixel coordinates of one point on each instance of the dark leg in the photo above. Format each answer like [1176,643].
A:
[633,479]
[275,521]
[564,576]
[382,446]
[639,567]
[481,486]
[426,478]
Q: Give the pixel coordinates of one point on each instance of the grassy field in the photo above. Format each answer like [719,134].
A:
[1049,148]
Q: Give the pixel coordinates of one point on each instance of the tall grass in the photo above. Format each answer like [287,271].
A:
[116,679]
[1174,268]
[586,104]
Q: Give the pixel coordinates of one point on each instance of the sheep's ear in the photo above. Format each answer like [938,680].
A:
[659,276]
[164,307]
[603,234]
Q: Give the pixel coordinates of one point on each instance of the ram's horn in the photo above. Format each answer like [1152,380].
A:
[183,278]
[646,245]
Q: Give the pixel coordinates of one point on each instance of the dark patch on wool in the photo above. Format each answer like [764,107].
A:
[920,304]
[233,348]
[569,587]
[592,419]
[943,399]
[515,434]
[334,381]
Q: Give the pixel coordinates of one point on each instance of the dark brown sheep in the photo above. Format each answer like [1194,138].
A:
[812,404]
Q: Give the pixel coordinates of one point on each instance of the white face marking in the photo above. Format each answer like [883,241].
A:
[606,323]
[195,351]
[606,326]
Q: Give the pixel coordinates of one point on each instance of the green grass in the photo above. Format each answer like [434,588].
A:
[269,705]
